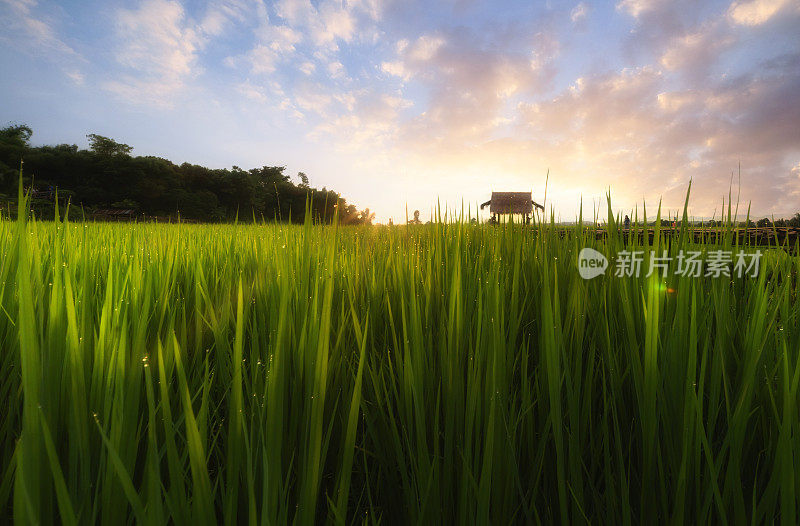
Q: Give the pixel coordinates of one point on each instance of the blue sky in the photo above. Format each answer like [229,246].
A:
[401,103]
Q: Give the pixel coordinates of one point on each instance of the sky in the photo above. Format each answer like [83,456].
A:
[405,104]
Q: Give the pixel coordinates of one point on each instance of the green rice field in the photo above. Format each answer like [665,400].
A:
[433,374]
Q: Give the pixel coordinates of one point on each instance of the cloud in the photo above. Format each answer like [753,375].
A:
[157,39]
[221,15]
[308,67]
[659,26]
[471,81]
[336,70]
[253,92]
[318,27]
[630,127]
[20,18]
[327,21]
[694,54]
[277,44]
[395,68]
[637,8]
[579,12]
[282,39]
[159,46]
[23,26]
[314,39]
[367,121]
[312,97]
[424,48]
[76,76]
[757,12]
[263,59]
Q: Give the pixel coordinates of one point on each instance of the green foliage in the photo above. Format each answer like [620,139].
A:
[13,143]
[107,147]
[16,135]
[303,179]
[106,175]
[438,374]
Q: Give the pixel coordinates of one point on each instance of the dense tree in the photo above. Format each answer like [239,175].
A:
[107,176]
[303,179]
[16,135]
[105,146]
[13,142]
[366,217]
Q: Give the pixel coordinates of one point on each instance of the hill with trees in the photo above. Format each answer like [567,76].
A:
[106,180]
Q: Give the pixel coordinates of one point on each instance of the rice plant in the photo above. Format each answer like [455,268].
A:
[435,374]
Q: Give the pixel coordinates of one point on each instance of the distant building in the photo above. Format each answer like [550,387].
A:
[507,203]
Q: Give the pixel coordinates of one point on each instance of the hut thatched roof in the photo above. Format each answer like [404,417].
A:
[511,203]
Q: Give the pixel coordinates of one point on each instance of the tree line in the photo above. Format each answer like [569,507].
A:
[107,178]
